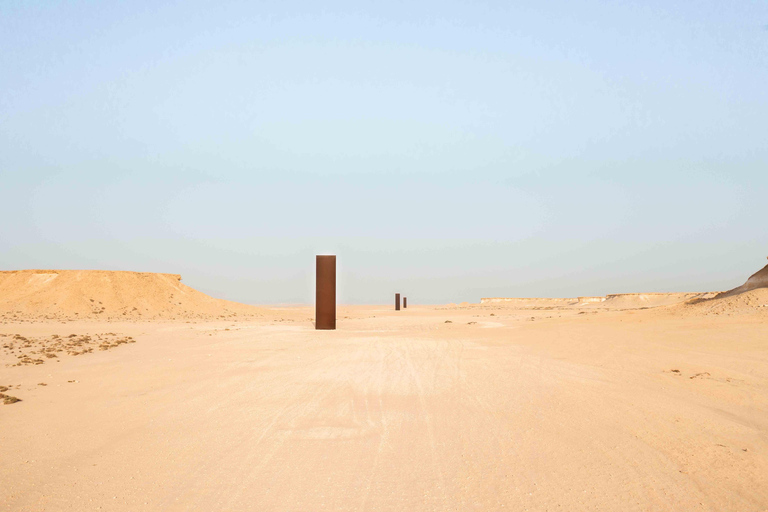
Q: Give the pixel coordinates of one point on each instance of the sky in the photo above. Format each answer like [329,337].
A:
[445,150]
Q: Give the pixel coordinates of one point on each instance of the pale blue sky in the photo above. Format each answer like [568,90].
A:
[445,150]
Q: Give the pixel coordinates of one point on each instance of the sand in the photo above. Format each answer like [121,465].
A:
[611,301]
[476,407]
[757,280]
[36,295]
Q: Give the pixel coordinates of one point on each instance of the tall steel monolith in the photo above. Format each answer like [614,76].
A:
[405,302]
[397,302]
[325,292]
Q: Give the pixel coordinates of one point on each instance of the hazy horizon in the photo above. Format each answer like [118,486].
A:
[448,151]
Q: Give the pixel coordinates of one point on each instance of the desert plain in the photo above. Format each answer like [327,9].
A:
[138,393]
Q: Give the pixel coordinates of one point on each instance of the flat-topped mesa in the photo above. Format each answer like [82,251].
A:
[526,300]
[106,294]
[69,271]
[590,300]
[50,274]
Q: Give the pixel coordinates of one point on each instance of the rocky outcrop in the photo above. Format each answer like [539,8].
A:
[757,280]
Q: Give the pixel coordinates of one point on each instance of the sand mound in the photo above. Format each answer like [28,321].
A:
[748,302]
[757,280]
[751,297]
[67,294]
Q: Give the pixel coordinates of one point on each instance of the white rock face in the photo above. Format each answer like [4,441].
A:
[591,300]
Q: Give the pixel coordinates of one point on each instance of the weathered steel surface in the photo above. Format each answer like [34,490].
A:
[405,302]
[325,292]
[397,302]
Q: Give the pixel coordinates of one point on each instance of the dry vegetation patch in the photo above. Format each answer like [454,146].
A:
[33,351]
[8,399]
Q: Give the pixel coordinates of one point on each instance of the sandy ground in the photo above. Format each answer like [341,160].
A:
[431,408]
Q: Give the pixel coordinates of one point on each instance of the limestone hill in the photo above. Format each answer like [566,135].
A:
[113,295]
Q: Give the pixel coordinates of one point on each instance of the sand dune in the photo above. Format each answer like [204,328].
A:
[70,294]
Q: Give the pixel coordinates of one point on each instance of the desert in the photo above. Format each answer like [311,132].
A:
[344,256]
[652,402]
